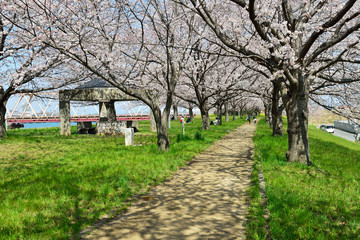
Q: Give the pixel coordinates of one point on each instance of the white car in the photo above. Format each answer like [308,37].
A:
[329,128]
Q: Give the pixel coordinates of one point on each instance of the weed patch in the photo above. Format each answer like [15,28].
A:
[198,136]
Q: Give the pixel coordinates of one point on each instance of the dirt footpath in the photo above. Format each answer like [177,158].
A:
[205,200]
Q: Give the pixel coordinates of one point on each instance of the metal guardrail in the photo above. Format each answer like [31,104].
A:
[346,126]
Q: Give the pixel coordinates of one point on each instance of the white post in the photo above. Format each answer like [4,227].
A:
[129,136]
[169,121]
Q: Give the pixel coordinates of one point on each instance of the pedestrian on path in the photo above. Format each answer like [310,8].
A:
[249,119]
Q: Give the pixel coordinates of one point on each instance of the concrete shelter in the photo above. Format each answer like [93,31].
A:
[96,90]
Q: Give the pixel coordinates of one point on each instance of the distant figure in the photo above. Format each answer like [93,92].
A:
[216,122]
[211,123]
[172,117]
[249,119]
[16,126]
[254,120]
[181,119]
[188,120]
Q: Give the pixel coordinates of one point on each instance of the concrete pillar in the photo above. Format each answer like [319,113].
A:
[64,111]
[129,136]
[107,111]
[152,122]
[103,113]
[111,113]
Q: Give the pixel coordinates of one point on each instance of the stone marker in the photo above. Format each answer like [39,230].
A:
[129,136]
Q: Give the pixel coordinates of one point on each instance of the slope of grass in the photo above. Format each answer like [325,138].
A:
[53,186]
[316,202]
[322,116]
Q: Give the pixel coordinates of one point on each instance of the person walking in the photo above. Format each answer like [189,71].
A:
[249,119]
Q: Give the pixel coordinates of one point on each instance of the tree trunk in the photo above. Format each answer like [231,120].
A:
[152,122]
[278,123]
[2,113]
[2,120]
[204,117]
[267,113]
[161,128]
[219,115]
[276,112]
[191,113]
[226,113]
[297,115]
[176,113]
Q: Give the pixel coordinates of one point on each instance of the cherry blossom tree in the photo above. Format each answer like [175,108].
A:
[137,46]
[342,100]
[197,84]
[28,66]
[297,41]
[211,77]
[234,103]
[269,93]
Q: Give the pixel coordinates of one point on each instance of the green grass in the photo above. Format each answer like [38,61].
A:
[316,202]
[256,224]
[52,186]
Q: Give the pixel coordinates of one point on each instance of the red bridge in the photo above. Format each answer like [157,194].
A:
[88,118]
[30,108]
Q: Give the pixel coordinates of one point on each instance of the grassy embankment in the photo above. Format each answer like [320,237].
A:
[317,202]
[53,186]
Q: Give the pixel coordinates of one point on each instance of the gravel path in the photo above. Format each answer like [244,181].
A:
[205,200]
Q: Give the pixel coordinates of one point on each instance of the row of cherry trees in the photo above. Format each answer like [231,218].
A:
[206,53]
[303,47]
[144,48]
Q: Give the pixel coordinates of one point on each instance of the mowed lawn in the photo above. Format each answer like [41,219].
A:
[317,202]
[52,187]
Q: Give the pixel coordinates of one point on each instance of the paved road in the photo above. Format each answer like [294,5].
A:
[206,200]
[345,135]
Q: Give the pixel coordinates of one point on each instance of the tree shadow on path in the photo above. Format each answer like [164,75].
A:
[205,200]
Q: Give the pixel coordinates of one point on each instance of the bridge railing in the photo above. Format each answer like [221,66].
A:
[44,107]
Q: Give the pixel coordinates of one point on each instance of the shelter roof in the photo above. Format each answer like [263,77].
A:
[95,83]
